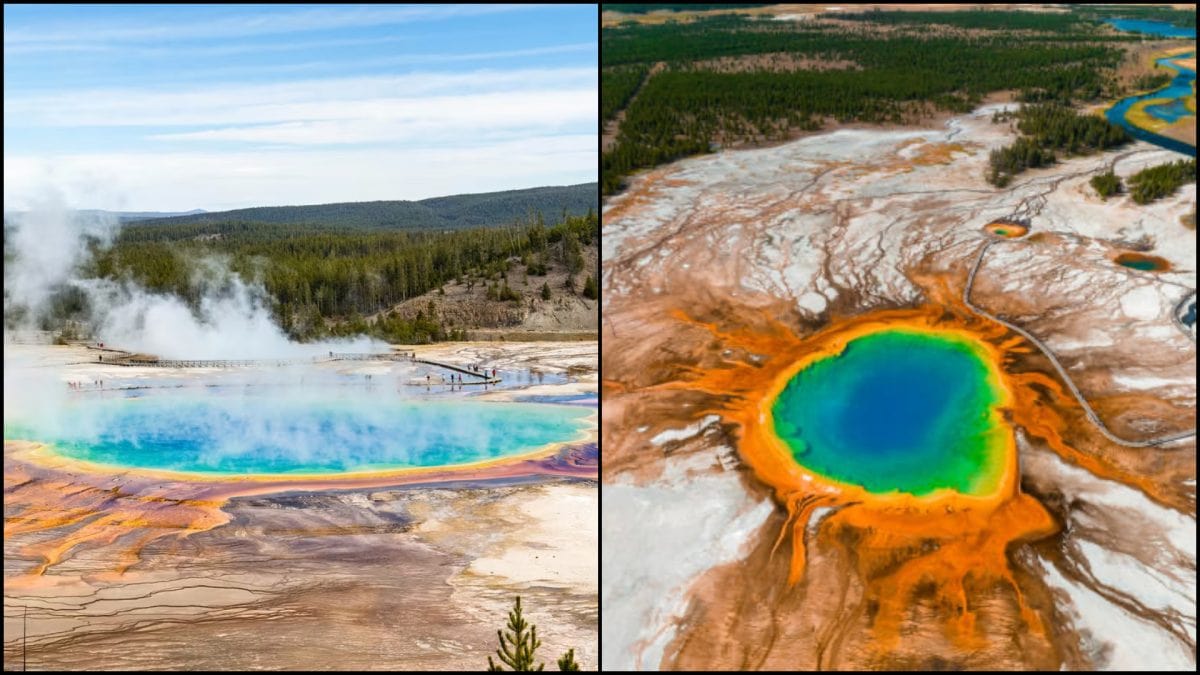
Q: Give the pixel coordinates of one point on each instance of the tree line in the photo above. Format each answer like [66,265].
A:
[452,212]
[1107,184]
[901,77]
[315,273]
[1047,127]
[989,19]
[617,86]
[735,35]
[1177,17]
[1160,181]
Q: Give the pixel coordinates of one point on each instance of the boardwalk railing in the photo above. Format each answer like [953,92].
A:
[481,377]
[234,363]
[1087,408]
[208,363]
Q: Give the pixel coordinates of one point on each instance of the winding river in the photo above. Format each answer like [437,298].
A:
[1175,93]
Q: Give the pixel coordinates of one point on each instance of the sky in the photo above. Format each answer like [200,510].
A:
[179,107]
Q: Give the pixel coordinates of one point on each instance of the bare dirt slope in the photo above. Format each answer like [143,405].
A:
[566,315]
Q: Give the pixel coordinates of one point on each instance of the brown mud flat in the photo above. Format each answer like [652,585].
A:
[1183,130]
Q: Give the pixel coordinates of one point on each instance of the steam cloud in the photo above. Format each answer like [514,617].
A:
[46,247]
[319,424]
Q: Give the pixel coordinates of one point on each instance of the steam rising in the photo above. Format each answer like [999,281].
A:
[292,429]
[48,243]
[304,417]
[46,247]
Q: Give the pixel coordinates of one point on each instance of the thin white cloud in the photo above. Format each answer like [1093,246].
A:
[443,119]
[310,67]
[213,180]
[314,140]
[310,100]
[273,21]
[477,56]
[197,49]
[131,51]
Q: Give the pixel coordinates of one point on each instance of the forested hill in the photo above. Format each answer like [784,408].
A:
[438,213]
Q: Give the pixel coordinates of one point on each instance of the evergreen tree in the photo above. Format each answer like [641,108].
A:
[1106,184]
[567,661]
[902,74]
[320,278]
[1156,182]
[589,288]
[517,646]
[545,291]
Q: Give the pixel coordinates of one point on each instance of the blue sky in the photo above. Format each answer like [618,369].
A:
[215,107]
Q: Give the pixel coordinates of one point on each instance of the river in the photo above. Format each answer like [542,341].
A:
[1176,92]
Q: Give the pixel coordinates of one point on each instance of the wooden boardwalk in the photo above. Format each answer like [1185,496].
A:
[128,359]
[1091,414]
[482,378]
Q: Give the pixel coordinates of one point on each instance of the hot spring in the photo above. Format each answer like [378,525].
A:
[1142,262]
[310,432]
[897,410]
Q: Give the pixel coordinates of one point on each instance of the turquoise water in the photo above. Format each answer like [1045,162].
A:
[1144,265]
[895,411]
[262,434]
[1158,28]
[1169,111]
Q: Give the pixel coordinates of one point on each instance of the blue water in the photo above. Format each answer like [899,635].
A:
[257,434]
[566,399]
[1178,90]
[1169,111]
[1190,317]
[894,411]
[1158,28]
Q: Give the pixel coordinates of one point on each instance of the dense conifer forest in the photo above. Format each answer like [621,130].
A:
[1047,127]
[1160,181]
[1177,17]
[453,212]
[887,67]
[617,86]
[325,279]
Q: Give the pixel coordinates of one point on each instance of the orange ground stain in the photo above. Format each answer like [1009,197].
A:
[47,493]
[1143,262]
[902,542]
[1006,228]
